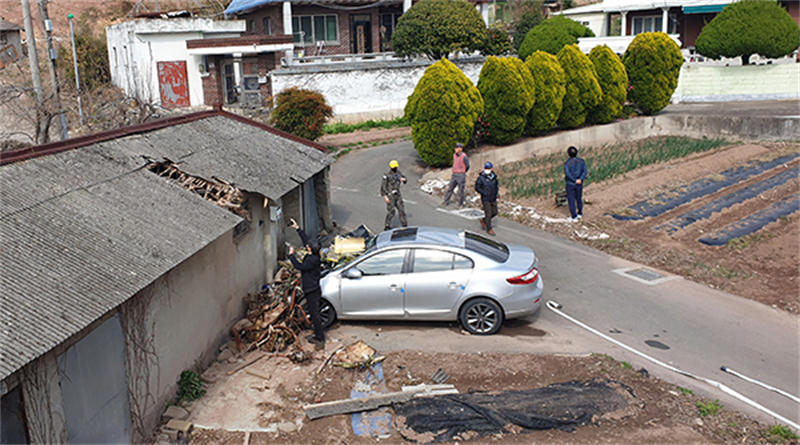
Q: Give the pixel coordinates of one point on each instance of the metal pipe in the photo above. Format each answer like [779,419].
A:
[75,64]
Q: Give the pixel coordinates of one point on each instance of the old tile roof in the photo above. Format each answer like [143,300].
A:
[86,227]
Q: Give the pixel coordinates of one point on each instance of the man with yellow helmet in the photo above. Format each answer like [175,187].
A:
[390,190]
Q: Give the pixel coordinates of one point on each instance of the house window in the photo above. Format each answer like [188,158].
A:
[646,24]
[267,26]
[388,25]
[499,12]
[315,28]
[251,25]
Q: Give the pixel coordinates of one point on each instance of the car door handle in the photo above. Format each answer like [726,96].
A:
[393,287]
[453,285]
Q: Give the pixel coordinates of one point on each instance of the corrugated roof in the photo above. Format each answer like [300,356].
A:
[85,229]
[5,25]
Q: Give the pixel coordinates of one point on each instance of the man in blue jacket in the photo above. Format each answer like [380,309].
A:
[574,175]
[487,186]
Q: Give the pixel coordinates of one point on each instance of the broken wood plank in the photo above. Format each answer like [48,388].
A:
[255,374]
[233,371]
[346,406]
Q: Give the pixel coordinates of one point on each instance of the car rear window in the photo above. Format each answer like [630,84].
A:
[486,247]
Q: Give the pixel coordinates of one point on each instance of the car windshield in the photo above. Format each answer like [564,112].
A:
[486,247]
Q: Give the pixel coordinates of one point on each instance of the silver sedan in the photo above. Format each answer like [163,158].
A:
[431,273]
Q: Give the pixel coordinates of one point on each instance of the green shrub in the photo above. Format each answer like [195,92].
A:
[442,110]
[653,62]
[549,80]
[779,433]
[613,81]
[552,35]
[92,53]
[436,28]
[190,387]
[583,92]
[508,93]
[749,27]
[527,21]
[497,41]
[708,408]
[301,112]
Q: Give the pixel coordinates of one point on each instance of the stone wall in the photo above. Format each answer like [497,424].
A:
[364,90]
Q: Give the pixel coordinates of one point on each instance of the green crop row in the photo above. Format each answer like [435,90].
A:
[543,176]
[340,127]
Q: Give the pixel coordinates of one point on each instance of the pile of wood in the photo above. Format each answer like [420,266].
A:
[275,316]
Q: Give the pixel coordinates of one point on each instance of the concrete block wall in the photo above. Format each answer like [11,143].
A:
[737,83]
[364,90]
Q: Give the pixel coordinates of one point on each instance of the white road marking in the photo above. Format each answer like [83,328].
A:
[344,189]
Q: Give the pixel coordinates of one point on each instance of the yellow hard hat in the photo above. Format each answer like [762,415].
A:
[393,164]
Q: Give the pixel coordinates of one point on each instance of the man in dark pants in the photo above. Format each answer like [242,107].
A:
[459,177]
[574,175]
[309,277]
[487,186]
[390,190]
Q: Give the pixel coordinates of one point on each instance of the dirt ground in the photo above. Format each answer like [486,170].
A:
[762,266]
[276,390]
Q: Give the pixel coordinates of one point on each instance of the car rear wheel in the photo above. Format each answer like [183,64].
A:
[481,316]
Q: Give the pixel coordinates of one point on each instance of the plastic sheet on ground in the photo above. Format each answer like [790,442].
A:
[465,416]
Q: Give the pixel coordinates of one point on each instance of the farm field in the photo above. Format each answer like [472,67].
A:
[718,213]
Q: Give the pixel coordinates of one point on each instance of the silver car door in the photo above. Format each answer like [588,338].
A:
[435,283]
[378,293]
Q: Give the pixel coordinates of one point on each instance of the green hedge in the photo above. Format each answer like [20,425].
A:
[436,28]
[527,21]
[653,62]
[613,81]
[552,35]
[442,110]
[549,80]
[301,112]
[749,27]
[497,41]
[508,92]
[583,92]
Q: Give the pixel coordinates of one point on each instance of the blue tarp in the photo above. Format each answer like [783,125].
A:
[238,6]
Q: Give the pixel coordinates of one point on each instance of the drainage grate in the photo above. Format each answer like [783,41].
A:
[644,274]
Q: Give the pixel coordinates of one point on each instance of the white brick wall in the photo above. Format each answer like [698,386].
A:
[737,83]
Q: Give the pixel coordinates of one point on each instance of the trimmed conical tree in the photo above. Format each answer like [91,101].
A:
[442,110]
[653,62]
[583,92]
[550,81]
[749,27]
[508,93]
[613,81]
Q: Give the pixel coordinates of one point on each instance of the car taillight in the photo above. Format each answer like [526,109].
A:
[526,278]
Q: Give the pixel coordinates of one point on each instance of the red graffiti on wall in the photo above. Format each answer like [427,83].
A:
[174,84]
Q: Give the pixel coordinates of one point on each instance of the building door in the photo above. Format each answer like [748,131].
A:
[173,81]
[229,83]
[361,33]
[94,387]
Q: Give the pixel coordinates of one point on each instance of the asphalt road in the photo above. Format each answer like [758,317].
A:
[687,325]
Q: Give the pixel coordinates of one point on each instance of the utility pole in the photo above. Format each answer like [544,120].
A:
[75,64]
[36,76]
[47,25]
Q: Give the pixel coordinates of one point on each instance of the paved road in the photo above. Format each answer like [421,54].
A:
[703,328]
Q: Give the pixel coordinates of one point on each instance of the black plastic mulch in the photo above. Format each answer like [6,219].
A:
[563,406]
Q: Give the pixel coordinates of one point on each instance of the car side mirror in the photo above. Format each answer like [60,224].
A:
[353,273]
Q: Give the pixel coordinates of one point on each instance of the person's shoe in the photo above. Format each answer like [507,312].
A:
[579,217]
[445,203]
[483,224]
[319,345]
[490,232]
[572,220]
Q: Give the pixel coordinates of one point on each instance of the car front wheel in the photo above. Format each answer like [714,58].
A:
[481,316]
[327,313]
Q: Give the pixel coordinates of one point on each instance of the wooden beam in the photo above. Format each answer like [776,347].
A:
[374,401]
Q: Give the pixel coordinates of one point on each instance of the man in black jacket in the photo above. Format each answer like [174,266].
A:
[309,277]
[487,186]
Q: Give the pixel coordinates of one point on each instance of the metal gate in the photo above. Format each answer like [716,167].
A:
[94,387]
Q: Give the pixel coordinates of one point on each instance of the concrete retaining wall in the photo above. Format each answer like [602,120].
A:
[699,83]
[366,90]
[732,128]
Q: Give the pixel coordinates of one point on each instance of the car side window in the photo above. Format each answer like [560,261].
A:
[430,260]
[462,262]
[384,263]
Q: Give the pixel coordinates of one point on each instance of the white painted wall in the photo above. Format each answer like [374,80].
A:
[359,92]
[596,21]
[135,47]
[698,83]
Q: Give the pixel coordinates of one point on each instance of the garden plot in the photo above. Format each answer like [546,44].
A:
[727,215]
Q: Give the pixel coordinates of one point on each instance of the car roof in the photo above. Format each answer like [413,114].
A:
[421,235]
